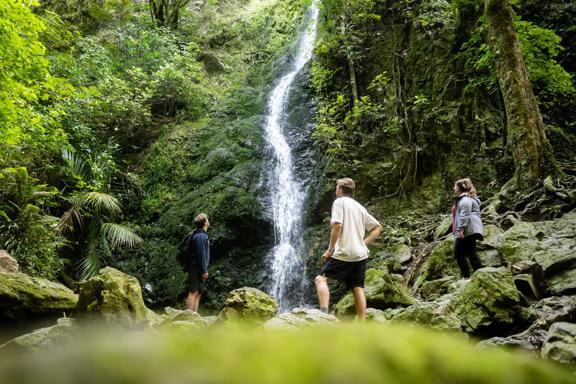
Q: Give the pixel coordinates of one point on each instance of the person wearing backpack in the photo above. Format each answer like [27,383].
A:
[194,254]
[466,226]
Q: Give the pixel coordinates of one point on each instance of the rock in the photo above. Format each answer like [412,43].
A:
[429,315]
[434,289]
[299,317]
[560,345]
[489,301]
[376,315]
[7,263]
[526,286]
[554,309]
[249,304]
[382,290]
[179,319]
[488,248]
[41,338]
[112,297]
[24,297]
[551,245]
[562,283]
[440,263]
[530,340]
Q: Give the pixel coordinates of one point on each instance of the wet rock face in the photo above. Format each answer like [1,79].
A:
[248,304]
[23,297]
[112,297]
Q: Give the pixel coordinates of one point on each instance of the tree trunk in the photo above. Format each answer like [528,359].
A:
[525,127]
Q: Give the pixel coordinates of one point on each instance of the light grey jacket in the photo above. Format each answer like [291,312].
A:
[467,216]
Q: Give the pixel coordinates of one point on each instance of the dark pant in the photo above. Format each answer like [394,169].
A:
[466,249]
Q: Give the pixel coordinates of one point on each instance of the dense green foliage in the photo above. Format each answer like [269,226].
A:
[427,93]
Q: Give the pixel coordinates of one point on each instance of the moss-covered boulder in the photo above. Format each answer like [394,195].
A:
[112,297]
[551,244]
[382,290]
[182,319]
[42,337]
[299,317]
[362,353]
[248,304]
[560,345]
[440,263]
[24,297]
[431,290]
[430,314]
[489,301]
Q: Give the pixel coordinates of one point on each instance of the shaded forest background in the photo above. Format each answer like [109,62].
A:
[120,120]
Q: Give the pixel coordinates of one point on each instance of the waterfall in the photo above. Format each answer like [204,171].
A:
[287,194]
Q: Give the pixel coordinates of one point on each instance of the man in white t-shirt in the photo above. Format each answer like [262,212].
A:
[347,254]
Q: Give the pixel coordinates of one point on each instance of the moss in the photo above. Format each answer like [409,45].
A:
[22,297]
[367,353]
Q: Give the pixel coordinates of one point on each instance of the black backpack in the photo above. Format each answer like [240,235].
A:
[185,252]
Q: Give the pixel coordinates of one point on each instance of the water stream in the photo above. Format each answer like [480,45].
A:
[287,193]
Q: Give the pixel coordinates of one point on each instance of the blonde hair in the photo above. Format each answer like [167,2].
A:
[347,186]
[465,185]
[200,220]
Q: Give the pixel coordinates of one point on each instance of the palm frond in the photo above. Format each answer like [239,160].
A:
[100,201]
[91,261]
[120,235]
[69,218]
[77,164]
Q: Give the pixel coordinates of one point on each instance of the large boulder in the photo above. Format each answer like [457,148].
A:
[560,345]
[542,314]
[300,317]
[42,337]
[248,304]
[440,263]
[113,297]
[182,319]
[489,301]
[382,290]
[550,244]
[7,262]
[430,314]
[24,297]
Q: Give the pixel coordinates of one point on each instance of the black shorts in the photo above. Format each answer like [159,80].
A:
[351,273]
[194,282]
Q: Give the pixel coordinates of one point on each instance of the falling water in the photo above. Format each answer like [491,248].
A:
[287,194]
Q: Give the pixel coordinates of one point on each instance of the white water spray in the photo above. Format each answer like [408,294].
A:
[287,195]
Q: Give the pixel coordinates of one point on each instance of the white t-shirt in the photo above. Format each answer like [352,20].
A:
[355,221]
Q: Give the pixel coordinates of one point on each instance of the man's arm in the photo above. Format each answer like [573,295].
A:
[374,233]
[334,236]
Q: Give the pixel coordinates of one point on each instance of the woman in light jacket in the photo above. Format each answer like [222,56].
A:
[466,226]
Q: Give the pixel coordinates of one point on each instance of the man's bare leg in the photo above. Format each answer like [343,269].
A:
[359,302]
[191,301]
[197,302]
[323,292]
